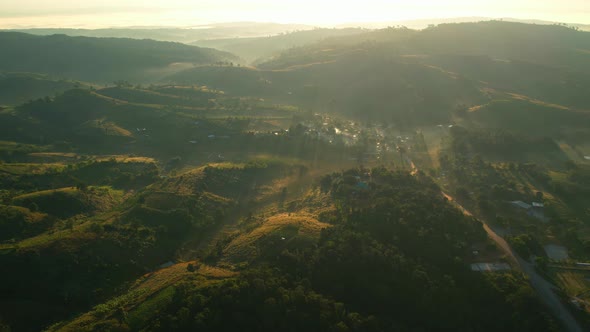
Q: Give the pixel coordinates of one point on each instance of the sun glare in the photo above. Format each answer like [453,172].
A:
[61,13]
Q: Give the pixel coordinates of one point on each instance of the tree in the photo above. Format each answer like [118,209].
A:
[82,186]
[34,207]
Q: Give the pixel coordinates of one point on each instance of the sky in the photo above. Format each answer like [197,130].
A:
[118,13]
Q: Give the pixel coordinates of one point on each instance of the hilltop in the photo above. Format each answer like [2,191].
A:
[99,59]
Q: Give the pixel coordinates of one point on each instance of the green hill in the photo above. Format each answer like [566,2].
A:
[295,272]
[18,88]
[562,47]
[68,202]
[17,222]
[367,84]
[418,76]
[99,59]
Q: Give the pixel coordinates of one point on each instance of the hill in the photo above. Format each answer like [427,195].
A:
[19,222]
[124,237]
[420,76]
[257,49]
[366,84]
[68,202]
[18,88]
[99,59]
[296,271]
[181,35]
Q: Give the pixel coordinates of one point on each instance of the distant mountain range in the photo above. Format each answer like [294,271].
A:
[255,29]
[424,23]
[180,34]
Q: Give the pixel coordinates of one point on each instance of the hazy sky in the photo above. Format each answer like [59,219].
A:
[106,13]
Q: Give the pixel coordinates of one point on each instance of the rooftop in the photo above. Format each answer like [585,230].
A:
[490,267]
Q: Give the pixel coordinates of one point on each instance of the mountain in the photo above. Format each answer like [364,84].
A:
[99,59]
[261,48]
[181,34]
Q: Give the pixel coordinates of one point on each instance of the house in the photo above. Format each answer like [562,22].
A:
[362,185]
[556,252]
[534,209]
[490,267]
[538,211]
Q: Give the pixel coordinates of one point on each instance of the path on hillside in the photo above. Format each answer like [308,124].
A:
[539,284]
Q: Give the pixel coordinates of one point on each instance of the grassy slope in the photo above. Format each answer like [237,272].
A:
[18,88]
[147,295]
[67,202]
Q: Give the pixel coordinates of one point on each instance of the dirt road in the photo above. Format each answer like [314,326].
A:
[543,288]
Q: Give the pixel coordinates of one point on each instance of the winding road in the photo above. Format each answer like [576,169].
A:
[544,289]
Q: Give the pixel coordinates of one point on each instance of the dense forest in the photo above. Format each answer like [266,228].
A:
[94,59]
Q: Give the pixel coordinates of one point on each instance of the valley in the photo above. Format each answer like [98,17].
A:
[320,180]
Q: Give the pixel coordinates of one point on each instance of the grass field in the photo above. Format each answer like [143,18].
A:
[576,284]
[286,227]
[573,283]
[31,168]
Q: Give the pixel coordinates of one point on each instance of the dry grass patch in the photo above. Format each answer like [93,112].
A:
[157,280]
[127,159]
[573,283]
[53,154]
[286,225]
[30,168]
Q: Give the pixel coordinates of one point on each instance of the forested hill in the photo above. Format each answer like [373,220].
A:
[404,75]
[261,48]
[549,45]
[98,59]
